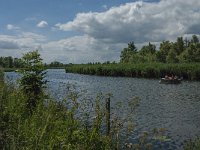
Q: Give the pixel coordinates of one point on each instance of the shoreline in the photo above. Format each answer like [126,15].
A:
[189,71]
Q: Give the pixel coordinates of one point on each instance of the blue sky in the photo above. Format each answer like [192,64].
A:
[80,31]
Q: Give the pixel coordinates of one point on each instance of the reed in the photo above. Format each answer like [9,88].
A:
[189,71]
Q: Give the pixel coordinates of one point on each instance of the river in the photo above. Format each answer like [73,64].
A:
[173,107]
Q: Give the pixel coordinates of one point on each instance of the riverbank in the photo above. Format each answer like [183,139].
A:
[189,71]
[55,124]
[50,126]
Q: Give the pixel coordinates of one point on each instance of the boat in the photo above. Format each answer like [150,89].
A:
[170,81]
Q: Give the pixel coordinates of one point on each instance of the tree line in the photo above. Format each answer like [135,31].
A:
[10,62]
[180,51]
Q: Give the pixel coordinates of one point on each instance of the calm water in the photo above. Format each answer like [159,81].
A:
[174,107]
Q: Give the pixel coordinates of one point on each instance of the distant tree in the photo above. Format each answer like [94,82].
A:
[191,54]
[107,62]
[128,52]
[186,43]
[1,62]
[148,49]
[17,63]
[148,53]
[8,62]
[172,56]
[56,64]
[179,45]
[161,55]
[194,39]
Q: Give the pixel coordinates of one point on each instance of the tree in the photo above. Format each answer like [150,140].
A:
[17,63]
[147,53]
[161,55]
[128,52]
[179,45]
[194,39]
[191,54]
[172,56]
[56,64]
[32,81]
[148,49]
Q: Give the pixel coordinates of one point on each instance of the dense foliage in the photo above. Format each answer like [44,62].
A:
[181,58]
[51,126]
[32,81]
[55,64]
[189,71]
[180,51]
[10,62]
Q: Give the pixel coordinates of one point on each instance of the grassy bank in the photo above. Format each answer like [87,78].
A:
[55,125]
[51,126]
[189,71]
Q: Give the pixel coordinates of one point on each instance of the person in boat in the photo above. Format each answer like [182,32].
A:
[172,77]
[166,77]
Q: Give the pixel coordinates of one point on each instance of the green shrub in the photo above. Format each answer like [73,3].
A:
[32,81]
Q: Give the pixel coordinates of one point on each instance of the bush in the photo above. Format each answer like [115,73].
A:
[32,81]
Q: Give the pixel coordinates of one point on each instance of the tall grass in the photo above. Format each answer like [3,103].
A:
[65,124]
[51,126]
[189,71]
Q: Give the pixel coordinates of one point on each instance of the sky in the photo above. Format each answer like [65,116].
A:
[81,31]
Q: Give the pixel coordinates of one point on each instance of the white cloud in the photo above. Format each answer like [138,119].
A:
[77,49]
[12,27]
[16,45]
[80,49]
[105,34]
[139,21]
[42,24]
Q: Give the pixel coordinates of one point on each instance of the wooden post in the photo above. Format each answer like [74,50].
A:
[108,115]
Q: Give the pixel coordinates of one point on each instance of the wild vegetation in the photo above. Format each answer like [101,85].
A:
[29,119]
[189,71]
[181,58]
[180,51]
[11,64]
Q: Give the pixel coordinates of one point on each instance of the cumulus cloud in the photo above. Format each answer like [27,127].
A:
[42,24]
[12,27]
[8,45]
[139,21]
[105,34]
[81,49]
[16,45]
[77,49]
